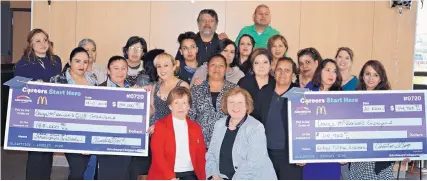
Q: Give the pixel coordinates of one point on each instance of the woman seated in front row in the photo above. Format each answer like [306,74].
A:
[178,148]
[238,147]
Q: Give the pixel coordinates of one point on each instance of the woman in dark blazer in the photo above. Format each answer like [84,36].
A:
[261,63]
[273,109]
[178,149]
[38,63]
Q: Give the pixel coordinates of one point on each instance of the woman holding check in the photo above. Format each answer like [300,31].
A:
[75,73]
[112,167]
[372,77]
[326,78]
[38,63]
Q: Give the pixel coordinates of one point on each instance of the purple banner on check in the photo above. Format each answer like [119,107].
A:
[357,126]
[78,119]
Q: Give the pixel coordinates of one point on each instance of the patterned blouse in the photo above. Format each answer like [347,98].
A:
[203,112]
[160,106]
[366,171]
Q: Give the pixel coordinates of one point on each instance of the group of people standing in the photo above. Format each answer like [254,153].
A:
[217,110]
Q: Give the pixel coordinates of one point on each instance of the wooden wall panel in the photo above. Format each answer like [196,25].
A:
[110,24]
[394,41]
[330,25]
[372,29]
[170,18]
[59,22]
[356,31]
[319,27]
[21,4]
[21,27]
[285,17]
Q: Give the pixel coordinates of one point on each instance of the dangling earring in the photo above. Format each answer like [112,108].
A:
[294,78]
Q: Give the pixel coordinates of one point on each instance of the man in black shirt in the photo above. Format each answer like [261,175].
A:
[207,39]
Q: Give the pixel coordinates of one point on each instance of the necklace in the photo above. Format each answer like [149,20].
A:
[40,60]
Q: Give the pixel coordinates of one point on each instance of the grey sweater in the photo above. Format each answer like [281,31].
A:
[250,156]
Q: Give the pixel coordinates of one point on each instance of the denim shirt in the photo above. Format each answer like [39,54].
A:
[90,77]
[112,84]
[65,78]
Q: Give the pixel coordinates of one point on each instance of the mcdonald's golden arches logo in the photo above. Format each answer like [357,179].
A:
[321,110]
[42,100]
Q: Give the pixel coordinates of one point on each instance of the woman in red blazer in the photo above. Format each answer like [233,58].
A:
[177,145]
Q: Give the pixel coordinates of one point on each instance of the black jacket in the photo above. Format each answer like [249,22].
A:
[250,84]
[263,107]
[205,50]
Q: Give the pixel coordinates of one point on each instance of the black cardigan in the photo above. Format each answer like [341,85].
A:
[294,172]
[250,84]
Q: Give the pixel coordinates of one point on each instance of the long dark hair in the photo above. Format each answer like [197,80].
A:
[222,45]
[379,68]
[317,78]
[72,54]
[29,52]
[312,52]
[238,44]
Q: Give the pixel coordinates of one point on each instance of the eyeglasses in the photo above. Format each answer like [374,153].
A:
[135,49]
[281,71]
[207,21]
[193,47]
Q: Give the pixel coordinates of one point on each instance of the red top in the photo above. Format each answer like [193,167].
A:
[163,150]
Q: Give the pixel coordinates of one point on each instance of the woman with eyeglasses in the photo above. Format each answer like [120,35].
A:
[38,63]
[238,148]
[273,109]
[227,48]
[134,51]
[188,48]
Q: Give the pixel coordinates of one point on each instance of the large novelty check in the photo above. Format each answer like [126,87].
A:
[78,119]
[357,126]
